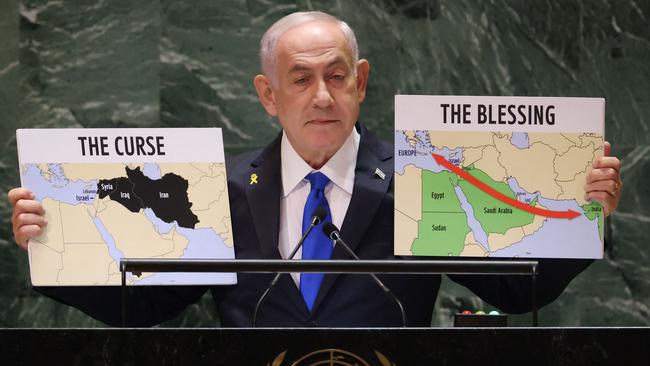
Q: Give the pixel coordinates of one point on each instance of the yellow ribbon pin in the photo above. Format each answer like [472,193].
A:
[253,179]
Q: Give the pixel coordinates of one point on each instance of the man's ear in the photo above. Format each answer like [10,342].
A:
[363,70]
[265,93]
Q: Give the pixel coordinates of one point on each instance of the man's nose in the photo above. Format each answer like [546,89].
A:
[323,98]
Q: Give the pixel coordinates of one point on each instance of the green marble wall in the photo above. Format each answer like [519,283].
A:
[122,63]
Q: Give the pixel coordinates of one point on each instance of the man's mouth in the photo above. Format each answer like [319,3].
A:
[322,121]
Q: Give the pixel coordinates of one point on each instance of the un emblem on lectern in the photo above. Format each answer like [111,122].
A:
[332,357]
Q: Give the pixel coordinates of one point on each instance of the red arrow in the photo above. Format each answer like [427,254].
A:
[569,214]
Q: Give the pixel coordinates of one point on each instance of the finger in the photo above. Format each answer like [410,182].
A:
[19,193]
[603,174]
[599,196]
[608,148]
[24,233]
[29,219]
[609,186]
[27,206]
[607,162]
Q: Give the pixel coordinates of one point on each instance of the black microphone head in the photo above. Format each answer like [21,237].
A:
[319,213]
[330,230]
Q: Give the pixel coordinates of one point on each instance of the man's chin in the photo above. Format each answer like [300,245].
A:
[324,143]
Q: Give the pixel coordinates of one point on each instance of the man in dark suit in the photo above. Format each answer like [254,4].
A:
[314,82]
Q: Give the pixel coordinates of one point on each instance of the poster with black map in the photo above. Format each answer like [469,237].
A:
[110,194]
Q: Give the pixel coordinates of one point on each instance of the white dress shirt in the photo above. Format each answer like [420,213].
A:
[295,189]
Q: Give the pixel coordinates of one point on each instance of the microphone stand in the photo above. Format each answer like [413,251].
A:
[316,218]
[335,235]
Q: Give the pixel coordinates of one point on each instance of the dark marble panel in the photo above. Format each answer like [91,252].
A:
[209,59]
[89,63]
[9,266]
[8,96]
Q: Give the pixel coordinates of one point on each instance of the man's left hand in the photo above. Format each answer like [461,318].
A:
[604,181]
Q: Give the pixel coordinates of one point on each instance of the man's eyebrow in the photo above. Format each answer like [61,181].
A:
[302,67]
[298,68]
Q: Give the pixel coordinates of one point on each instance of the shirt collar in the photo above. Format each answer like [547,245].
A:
[339,169]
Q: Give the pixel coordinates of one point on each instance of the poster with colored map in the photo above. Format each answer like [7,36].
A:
[110,194]
[497,176]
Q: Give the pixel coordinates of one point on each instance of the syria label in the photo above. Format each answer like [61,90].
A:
[486,176]
[110,194]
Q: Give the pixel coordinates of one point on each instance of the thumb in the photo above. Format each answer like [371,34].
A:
[608,148]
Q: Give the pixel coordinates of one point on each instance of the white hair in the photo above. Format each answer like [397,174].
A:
[269,42]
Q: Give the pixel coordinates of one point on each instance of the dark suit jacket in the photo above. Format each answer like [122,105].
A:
[343,300]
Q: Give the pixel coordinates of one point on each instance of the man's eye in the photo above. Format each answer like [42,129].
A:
[338,77]
[300,81]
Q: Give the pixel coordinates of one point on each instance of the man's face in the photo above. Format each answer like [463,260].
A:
[316,96]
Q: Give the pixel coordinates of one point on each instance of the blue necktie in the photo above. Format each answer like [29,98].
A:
[316,245]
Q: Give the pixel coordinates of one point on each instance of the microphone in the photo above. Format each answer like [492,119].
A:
[332,232]
[317,216]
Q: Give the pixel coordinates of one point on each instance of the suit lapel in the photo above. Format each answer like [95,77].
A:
[368,192]
[264,202]
[263,195]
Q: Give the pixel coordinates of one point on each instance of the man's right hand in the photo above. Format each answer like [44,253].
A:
[27,217]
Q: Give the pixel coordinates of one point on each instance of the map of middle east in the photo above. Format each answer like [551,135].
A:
[496,194]
[100,213]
